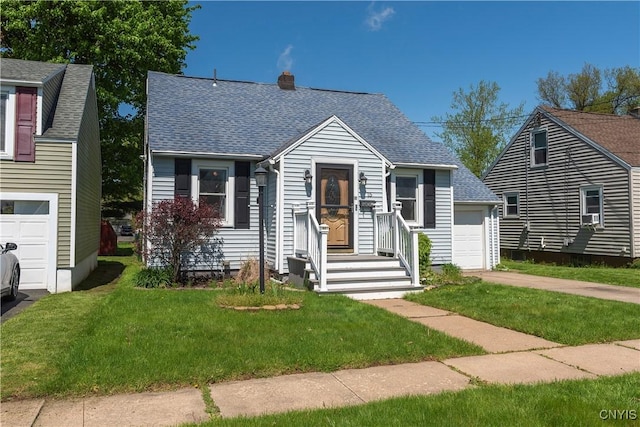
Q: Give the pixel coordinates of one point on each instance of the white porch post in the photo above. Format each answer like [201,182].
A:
[415,274]
[397,206]
[324,234]
[375,231]
[310,208]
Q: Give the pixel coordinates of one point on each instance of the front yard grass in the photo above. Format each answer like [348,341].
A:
[116,338]
[564,403]
[562,318]
[607,275]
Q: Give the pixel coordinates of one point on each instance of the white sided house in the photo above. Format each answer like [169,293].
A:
[351,181]
[50,171]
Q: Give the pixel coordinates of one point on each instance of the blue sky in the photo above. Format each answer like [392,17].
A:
[416,53]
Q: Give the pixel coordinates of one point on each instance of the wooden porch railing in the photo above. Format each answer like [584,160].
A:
[392,236]
[310,240]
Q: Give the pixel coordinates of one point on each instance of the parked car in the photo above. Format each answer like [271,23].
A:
[9,271]
[126,230]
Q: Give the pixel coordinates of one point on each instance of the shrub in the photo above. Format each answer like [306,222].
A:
[451,271]
[424,252]
[153,278]
[176,231]
[635,263]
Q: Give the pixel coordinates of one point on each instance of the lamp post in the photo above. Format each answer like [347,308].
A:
[261,182]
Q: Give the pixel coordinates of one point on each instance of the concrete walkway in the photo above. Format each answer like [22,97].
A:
[575,287]
[514,358]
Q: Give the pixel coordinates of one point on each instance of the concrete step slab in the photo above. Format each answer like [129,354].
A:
[516,368]
[384,382]
[21,413]
[141,409]
[492,338]
[281,394]
[600,359]
[407,308]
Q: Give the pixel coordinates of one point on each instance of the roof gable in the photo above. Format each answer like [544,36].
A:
[295,142]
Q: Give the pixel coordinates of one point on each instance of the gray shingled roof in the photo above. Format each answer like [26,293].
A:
[189,114]
[28,71]
[186,114]
[469,188]
[70,103]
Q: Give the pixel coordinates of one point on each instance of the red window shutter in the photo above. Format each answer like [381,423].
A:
[25,149]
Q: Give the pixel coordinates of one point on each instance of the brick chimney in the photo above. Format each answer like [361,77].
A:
[286,81]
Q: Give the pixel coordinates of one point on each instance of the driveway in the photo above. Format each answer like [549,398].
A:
[25,299]
[587,289]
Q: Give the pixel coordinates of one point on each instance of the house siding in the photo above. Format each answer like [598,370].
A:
[635,202]
[50,173]
[549,197]
[89,183]
[332,144]
[441,235]
[271,218]
[238,245]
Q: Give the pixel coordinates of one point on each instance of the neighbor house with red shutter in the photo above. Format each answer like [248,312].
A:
[50,171]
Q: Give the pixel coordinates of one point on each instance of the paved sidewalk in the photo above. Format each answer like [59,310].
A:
[543,361]
[575,287]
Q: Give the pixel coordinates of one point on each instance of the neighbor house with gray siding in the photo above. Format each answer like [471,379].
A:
[570,188]
[50,171]
[351,181]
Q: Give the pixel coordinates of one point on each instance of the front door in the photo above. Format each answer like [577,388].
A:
[334,205]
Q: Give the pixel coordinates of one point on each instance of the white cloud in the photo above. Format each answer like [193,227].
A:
[285,61]
[375,18]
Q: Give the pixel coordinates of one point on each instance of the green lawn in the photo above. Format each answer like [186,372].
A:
[562,318]
[566,403]
[115,338]
[607,275]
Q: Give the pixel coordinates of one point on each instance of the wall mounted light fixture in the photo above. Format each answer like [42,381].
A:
[307,177]
[363,179]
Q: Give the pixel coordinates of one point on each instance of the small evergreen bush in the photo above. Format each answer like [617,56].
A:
[424,253]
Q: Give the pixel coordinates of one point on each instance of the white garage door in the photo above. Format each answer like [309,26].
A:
[27,223]
[468,239]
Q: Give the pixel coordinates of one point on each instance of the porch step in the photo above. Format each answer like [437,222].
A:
[365,277]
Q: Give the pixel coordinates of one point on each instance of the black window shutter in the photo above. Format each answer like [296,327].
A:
[387,184]
[243,188]
[429,198]
[182,186]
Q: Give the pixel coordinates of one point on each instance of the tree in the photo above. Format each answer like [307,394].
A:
[478,130]
[618,93]
[176,231]
[122,40]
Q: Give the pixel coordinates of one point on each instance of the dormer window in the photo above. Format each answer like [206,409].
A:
[539,148]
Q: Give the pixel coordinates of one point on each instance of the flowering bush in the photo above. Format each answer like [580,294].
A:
[176,231]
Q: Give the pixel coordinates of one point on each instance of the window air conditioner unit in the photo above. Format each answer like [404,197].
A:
[591,219]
